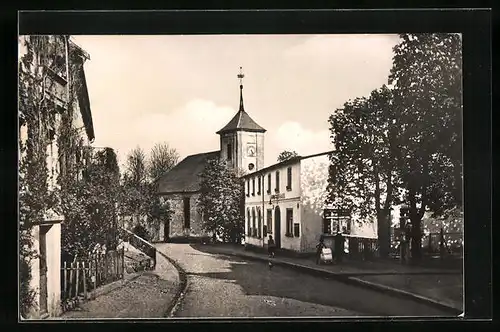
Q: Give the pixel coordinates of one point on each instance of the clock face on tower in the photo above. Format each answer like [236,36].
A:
[251,151]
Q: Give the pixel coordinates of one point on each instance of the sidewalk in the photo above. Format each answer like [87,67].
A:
[141,295]
[443,287]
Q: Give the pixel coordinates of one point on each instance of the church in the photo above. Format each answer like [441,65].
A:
[241,145]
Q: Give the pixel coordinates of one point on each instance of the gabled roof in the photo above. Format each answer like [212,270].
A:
[184,177]
[241,121]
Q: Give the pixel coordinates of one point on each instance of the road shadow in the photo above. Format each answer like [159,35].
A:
[255,278]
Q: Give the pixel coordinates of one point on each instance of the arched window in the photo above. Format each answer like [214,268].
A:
[249,225]
[254,228]
[259,223]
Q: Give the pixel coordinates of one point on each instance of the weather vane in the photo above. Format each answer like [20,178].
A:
[241,75]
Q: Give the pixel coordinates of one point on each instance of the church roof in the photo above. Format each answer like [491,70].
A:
[184,177]
[241,121]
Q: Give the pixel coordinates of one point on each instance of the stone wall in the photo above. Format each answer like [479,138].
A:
[177,228]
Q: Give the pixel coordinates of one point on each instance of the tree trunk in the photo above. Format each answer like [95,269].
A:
[415,234]
[384,230]
[416,240]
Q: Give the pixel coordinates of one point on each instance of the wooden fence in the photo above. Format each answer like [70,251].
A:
[80,278]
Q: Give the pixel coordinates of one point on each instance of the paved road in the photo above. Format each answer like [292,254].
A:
[226,286]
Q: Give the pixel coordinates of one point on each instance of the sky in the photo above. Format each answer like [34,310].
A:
[182,89]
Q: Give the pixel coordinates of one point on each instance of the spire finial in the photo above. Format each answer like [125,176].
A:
[240,76]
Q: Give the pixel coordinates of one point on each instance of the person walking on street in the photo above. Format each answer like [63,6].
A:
[319,248]
[271,246]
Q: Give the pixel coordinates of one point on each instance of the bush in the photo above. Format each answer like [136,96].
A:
[140,231]
[27,295]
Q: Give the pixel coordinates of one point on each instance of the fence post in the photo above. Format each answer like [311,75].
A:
[65,273]
[84,281]
[70,279]
[123,262]
[77,281]
[441,243]
[95,268]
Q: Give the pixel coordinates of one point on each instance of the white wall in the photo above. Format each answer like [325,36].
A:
[290,200]
[53,242]
[313,184]
[54,270]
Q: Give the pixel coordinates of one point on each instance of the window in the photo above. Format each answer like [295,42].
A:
[229,152]
[268,183]
[254,229]
[327,225]
[187,213]
[249,225]
[253,186]
[289,178]
[259,223]
[296,230]
[289,222]
[270,221]
[258,186]
[277,188]
[248,188]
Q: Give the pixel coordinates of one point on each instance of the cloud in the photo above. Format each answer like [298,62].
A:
[293,136]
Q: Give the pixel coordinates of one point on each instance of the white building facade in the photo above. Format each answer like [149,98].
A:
[287,201]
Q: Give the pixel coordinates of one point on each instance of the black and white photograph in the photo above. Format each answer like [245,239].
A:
[240,176]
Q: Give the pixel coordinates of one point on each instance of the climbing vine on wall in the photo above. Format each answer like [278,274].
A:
[47,97]
[36,116]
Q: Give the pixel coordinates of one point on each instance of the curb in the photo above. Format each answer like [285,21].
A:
[181,290]
[350,279]
[373,285]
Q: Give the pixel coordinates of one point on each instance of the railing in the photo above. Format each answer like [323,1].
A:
[139,243]
[433,244]
[80,278]
[362,248]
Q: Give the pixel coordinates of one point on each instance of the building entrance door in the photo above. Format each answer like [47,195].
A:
[43,268]
[277,227]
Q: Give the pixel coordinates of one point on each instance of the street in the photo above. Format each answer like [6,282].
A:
[226,286]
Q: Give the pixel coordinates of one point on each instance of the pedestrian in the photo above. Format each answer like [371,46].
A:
[319,248]
[271,246]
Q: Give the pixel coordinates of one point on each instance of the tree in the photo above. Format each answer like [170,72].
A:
[427,75]
[135,185]
[220,201]
[361,175]
[161,159]
[89,205]
[285,155]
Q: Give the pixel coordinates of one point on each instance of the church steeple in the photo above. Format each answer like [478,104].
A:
[242,139]
[240,76]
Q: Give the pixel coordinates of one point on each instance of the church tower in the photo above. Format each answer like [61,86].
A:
[242,139]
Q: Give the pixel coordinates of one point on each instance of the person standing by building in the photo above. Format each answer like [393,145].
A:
[319,248]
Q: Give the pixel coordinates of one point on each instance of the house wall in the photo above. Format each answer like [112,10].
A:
[285,198]
[54,270]
[53,251]
[313,185]
[246,139]
[177,220]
